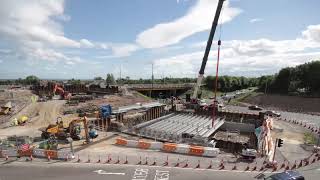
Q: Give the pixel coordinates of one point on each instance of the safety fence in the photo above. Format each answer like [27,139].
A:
[185,162]
[170,147]
[40,153]
[307,125]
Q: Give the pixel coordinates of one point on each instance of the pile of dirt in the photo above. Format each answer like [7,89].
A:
[115,101]
[286,103]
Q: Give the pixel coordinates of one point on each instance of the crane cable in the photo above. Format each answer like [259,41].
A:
[217,73]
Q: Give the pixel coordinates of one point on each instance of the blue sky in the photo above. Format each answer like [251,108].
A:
[84,39]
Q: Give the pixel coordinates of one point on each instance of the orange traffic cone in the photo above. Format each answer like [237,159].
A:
[166,163]
[234,167]
[287,167]
[210,165]
[78,159]
[254,167]
[140,162]
[247,168]
[88,161]
[186,165]
[198,165]
[294,165]
[300,164]
[154,162]
[49,158]
[99,160]
[262,168]
[177,164]
[109,159]
[146,163]
[282,165]
[118,161]
[126,161]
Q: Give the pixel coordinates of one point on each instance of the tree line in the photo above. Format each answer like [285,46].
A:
[303,79]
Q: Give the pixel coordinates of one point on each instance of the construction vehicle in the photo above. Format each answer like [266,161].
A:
[64,94]
[62,133]
[75,129]
[195,97]
[57,130]
[6,108]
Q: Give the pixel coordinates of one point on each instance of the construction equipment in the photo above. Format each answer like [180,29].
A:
[6,108]
[75,129]
[62,133]
[64,94]
[194,99]
[56,130]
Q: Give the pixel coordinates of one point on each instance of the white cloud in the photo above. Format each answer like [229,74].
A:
[246,57]
[118,50]
[254,20]
[122,50]
[312,33]
[1,61]
[86,43]
[198,18]
[32,22]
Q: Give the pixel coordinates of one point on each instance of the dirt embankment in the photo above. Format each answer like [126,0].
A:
[286,103]
[40,114]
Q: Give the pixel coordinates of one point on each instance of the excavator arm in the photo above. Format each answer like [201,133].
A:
[208,47]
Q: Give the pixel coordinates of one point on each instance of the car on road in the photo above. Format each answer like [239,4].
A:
[255,107]
[287,175]
[272,113]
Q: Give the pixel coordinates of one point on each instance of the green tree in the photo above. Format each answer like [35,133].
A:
[110,79]
[98,78]
[31,80]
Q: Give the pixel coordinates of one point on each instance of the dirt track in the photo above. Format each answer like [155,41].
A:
[287,103]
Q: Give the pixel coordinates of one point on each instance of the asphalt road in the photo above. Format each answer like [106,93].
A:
[71,171]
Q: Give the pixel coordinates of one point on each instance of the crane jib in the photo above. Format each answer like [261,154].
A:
[211,35]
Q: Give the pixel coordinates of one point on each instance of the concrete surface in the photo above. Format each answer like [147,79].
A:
[73,171]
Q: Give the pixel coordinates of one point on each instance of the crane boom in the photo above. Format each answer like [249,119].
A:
[208,47]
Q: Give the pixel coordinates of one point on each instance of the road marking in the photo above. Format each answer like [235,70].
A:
[108,173]
[140,174]
[161,175]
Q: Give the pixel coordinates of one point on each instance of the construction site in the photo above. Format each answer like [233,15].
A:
[49,121]
[167,124]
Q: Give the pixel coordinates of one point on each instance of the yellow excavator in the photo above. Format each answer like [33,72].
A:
[73,130]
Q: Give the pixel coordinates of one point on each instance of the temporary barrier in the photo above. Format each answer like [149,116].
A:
[131,143]
[156,145]
[211,152]
[196,150]
[143,145]
[182,148]
[121,141]
[169,147]
[9,153]
[64,155]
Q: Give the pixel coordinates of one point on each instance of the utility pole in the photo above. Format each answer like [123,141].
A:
[265,89]
[275,148]
[120,73]
[151,80]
